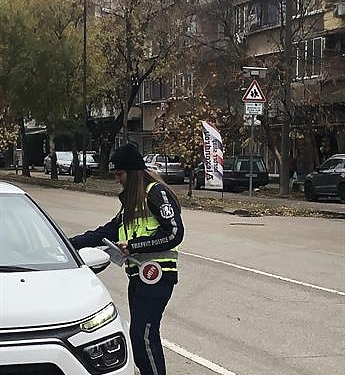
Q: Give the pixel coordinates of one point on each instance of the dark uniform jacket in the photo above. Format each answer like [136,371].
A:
[169,234]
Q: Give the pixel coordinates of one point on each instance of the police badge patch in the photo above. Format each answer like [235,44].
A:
[167,212]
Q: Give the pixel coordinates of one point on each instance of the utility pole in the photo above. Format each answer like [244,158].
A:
[285,142]
[84,91]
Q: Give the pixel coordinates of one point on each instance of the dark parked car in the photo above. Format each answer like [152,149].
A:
[328,180]
[236,173]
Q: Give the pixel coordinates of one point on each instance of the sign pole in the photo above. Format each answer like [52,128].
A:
[253,100]
[251,156]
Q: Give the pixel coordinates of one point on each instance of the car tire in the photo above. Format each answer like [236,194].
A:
[196,184]
[309,193]
[341,192]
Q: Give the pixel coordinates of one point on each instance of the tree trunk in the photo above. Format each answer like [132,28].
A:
[25,162]
[105,148]
[285,145]
[53,172]
[190,183]
[76,168]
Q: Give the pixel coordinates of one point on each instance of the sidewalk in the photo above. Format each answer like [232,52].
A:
[264,202]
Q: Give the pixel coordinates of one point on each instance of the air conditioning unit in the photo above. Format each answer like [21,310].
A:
[339,9]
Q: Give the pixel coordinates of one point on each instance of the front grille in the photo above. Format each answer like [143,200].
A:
[31,369]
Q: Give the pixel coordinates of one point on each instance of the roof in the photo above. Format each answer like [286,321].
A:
[10,189]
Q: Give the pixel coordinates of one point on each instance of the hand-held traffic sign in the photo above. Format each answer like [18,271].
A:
[149,272]
[254,93]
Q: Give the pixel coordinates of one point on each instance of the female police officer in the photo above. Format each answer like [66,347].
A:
[148,226]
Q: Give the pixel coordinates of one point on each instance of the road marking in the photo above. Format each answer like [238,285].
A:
[195,358]
[267,274]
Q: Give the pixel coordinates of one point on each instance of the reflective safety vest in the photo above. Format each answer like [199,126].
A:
[147,227]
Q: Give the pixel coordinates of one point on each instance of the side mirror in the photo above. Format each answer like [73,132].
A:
[95,258]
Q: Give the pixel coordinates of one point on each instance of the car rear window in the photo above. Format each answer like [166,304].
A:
[170,159]
[228,163]
[243,165]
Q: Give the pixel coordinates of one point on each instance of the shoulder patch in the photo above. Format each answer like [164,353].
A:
[167,211]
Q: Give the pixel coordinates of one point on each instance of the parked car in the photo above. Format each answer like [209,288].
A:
[56,316]
[236,173]
[168,167]
[64,162]
[327,180]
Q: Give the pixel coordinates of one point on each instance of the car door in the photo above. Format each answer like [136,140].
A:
[326,180]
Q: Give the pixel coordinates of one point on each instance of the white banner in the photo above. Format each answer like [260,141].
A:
[213,156]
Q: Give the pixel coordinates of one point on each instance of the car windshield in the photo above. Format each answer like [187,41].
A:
[28,239]
[64,156]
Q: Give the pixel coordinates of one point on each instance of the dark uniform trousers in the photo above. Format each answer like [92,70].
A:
[146,305]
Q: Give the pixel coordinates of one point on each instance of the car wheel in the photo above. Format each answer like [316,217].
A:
[341,192]
[309,192]
[196,184]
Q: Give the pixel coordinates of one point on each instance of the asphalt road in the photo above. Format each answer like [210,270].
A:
[257,296]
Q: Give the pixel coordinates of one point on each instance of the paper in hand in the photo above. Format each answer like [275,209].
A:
[116,255]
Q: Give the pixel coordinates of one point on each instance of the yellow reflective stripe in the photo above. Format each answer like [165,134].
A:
[169,269]
[152,260]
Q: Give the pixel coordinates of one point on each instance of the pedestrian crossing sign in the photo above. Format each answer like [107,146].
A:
[254,93]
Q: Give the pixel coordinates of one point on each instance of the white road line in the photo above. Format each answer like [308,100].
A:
[195,358]
[267,274]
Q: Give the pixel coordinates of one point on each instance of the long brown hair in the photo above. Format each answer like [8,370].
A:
[134,194]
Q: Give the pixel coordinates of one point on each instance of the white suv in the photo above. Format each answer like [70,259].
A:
[56,316]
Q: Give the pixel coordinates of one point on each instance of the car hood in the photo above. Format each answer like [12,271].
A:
[41,298]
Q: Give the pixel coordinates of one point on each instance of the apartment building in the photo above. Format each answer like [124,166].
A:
[257,29]
[318,70]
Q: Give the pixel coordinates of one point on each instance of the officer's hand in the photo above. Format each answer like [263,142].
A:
[123,245]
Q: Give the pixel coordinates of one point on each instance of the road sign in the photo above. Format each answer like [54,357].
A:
[253,108]
[254,93]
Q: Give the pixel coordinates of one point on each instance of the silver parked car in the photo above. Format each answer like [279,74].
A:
[168,167]
[64,162]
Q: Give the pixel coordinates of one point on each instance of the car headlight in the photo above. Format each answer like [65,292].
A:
[100,319]
[107,354]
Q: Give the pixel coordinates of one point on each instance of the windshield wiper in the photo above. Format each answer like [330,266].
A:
[16,269]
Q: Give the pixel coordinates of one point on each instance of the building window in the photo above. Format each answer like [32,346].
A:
[182,85]
[308,58]
[241,14]
[191,31]
[106,5]
[305,7]
[263,14]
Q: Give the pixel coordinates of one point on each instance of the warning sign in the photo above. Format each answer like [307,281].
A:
[254,93]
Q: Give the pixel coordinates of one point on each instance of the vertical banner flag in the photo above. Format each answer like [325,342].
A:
[213,156]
